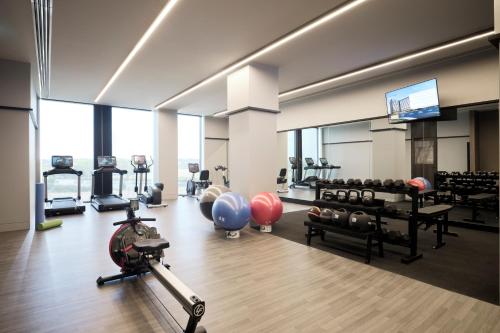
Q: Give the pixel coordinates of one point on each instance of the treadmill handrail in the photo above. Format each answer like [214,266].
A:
[62,171]
[109,170]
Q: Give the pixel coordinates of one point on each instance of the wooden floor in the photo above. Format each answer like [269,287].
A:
[258,283]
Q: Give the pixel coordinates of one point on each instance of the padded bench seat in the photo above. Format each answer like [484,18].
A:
[476,200]
[436,214]
[150,245]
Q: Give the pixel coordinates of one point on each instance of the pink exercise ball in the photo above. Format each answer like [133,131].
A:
[266,207]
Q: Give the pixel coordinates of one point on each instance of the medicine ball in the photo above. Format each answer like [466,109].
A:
[377,183]
[342,196]
[361,221]
[326,215]
[388,183]
[399,183]
[417,183]
[313,213]
[350,182]
[353,197]
[358,182]
[340,217]
[367,197]
[328,196]
[340,182]
[368,182]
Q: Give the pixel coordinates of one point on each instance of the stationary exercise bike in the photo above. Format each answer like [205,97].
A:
[148,195]
[138,249]
[194,187]
[223,171]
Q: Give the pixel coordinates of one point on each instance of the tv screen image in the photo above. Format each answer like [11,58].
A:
[418,101]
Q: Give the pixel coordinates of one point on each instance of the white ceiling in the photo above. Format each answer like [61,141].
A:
[16,31]
[198,38]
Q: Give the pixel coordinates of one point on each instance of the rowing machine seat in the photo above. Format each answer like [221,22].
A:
[150,245]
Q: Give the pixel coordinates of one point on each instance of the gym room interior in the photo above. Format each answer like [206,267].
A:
[249,166]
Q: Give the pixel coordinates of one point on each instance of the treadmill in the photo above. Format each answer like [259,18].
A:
[105,202]
[63,165]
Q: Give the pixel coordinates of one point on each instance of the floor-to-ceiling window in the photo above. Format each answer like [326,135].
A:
[189,146]
[67,129]
[132,132]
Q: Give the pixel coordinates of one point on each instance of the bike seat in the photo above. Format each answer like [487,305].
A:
[150,245]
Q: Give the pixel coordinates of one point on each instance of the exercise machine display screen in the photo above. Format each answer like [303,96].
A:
[62,162]
[193,167]
[106,161]
[139,160]
[418,101]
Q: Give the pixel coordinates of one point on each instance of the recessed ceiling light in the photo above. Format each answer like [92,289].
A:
[152,28]
[387,63]
[300,31]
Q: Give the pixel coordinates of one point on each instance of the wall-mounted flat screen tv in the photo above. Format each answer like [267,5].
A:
[415,102]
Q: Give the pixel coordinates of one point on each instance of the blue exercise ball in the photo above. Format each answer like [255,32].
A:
[231,211]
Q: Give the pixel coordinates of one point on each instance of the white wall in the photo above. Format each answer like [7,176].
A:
[216,144]
[354,158]
[17,141]
[166,154]
[452,143]
[467,79]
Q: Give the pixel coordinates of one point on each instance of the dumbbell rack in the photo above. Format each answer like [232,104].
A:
[379,211]
[476,181]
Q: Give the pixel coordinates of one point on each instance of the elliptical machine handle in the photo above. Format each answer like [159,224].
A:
[148,219]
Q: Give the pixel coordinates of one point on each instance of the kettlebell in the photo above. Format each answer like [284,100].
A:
[377,183]
[313,213]
[340,217]
[353,197]
[367,197]
[361,221]
[368,182]
[326,215]
[340,182]
[328,196]
[358,182]
[388,183]
[350,182]
[342,195]
[399,183]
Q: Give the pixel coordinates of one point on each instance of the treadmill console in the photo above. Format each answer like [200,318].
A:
[106,161]
[62,162]
[139,160]
[134,204]
[309,161]
[323,161]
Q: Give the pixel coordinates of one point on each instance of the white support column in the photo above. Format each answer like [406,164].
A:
[166,155]
[253,144]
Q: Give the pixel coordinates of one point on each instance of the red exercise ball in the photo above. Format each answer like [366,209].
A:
[417,183]
[266,208]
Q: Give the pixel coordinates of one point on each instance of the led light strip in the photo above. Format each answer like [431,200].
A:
[387,63]
[152,28]
[306,28]
[375,67]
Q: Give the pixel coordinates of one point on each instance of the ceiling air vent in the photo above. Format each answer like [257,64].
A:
[42,21]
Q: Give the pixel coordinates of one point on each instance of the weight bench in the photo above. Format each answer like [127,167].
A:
[476,200]
[437,214]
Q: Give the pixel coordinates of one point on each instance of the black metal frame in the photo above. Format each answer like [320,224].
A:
[379,212]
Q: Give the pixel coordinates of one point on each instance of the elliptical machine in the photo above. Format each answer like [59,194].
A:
[148,195]
[138,249]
